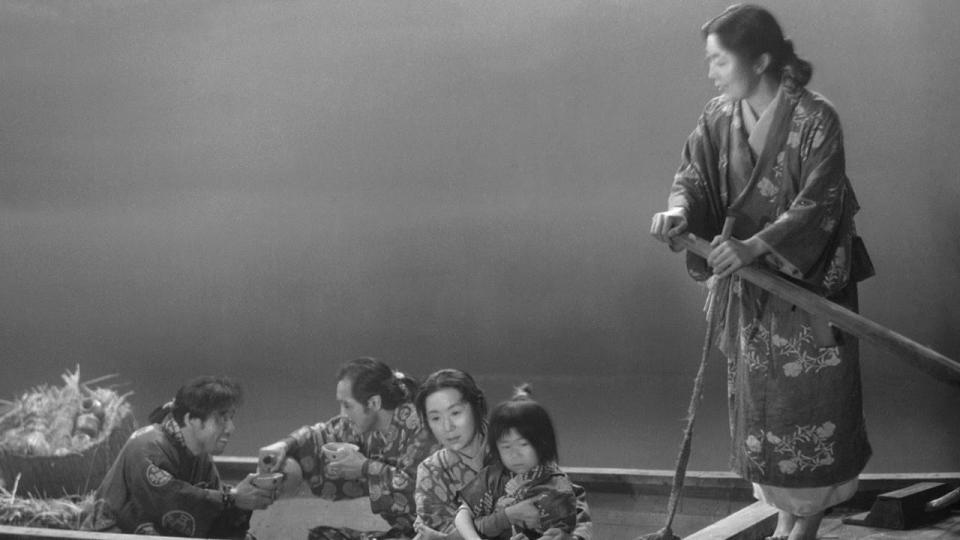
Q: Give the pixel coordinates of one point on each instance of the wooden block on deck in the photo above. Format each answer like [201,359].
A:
[901,509]
[751,523]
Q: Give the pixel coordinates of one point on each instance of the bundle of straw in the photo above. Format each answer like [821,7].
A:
[42,422]
[63,513]
[60,441]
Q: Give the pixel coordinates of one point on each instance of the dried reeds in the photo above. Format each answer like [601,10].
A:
[63,513]
[44,421]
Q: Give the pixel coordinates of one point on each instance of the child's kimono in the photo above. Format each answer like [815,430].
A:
[496,488]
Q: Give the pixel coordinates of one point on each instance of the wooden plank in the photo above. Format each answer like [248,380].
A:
[9,532]
[751,523]
[945,529]
[655,481]
[920,356]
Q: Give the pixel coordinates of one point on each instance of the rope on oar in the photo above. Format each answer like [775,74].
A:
[666,533]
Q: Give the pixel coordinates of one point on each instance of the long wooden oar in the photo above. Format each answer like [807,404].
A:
[921,357]
[666,533]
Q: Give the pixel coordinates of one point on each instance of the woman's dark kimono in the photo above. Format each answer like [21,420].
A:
[794,383]
[157,486]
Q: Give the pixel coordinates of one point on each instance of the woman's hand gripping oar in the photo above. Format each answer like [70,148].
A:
[666,533]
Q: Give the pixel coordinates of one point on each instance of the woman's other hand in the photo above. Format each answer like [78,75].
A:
[667,225]
[729,255]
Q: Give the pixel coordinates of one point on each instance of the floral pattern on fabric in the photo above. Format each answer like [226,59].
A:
[441,480]
[496,488]
[393,460]
[781,381]
[807,448]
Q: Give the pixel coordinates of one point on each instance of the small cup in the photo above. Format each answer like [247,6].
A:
[338,450]
[267,480]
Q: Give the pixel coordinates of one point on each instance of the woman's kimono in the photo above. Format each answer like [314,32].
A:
[793,381]
[496,488]
[389,476]
[157,486]
[443,476]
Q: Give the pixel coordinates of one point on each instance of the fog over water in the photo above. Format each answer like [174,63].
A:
[268,190]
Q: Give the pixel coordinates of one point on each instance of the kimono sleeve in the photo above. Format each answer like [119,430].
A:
[436,502]
[804,237]
[584,526]
[391,471]
[400,475]
[160,501]
[695,188]
[479,496]
[304,445]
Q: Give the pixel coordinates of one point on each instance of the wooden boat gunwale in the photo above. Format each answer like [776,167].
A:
[739,525]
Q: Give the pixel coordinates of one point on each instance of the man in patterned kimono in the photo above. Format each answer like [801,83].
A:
[164,481]
[378,416]
[768,153]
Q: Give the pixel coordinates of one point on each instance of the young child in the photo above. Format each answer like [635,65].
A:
[522,464]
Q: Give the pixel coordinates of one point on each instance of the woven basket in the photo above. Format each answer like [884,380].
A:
[68,475]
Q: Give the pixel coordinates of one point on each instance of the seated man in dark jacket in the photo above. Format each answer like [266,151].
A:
[164,481]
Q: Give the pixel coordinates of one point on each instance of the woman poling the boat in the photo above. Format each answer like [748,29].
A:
[767,158]
[455,409]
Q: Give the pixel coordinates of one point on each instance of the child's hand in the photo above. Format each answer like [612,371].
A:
[525,514]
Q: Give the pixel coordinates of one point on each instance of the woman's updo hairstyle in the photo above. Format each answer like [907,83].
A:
[370,377]
[748,31]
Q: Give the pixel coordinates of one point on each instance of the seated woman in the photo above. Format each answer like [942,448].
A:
[164,481]
[455,409]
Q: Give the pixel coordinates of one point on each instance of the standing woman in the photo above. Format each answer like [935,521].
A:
[455,409]
[769,153]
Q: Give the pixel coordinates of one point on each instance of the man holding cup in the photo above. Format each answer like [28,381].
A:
[372,448]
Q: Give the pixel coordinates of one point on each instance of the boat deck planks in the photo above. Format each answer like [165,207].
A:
[833,528]
[624,504]
[758,521]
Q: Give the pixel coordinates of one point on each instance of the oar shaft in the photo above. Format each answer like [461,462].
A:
[903,347]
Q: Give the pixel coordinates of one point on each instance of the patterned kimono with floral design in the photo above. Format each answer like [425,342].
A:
[390,473]
[443,476]
[496,488]
[794,382]
[157,486]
